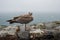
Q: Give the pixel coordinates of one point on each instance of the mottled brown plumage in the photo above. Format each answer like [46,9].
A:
[23,19]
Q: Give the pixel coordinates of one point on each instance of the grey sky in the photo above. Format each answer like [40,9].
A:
[30,5]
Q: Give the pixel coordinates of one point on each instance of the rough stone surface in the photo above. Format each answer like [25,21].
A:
[9,37]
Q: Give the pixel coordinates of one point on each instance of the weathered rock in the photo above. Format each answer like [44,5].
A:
[8,37]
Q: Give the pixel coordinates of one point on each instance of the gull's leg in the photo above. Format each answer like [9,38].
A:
[25,27]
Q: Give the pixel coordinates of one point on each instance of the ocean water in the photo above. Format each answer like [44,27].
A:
[38,17]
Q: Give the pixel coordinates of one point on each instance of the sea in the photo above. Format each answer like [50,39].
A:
[38,17]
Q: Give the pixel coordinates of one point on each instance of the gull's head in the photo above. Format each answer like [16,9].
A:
[30,13]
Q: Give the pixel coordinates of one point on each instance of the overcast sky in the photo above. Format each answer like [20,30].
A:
[30,5]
